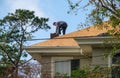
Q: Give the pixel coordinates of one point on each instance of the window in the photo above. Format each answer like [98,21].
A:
[75,64]
[65,67]
[116,66]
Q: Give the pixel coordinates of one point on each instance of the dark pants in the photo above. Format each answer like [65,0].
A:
[63,28]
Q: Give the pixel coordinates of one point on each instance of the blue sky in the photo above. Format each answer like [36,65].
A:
[55,10]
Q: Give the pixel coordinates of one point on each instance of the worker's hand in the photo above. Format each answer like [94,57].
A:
[60,28]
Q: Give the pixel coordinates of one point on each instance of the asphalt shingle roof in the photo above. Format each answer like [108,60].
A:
[67,40]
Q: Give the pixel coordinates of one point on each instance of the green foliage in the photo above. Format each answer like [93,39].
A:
[87,72]
[59,75]
[115,72]
[101,10]
[80,73]
[114,20]
[15,29]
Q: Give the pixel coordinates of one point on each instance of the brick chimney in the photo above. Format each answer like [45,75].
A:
[52,35]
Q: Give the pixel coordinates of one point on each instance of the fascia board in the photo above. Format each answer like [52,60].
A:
[92,40]
[58,50]
[50,47]
[53,49]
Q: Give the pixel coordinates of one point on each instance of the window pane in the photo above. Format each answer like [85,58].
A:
[116,66]
[63,67]
[75,64]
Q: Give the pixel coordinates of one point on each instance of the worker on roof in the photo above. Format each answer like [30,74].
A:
[60,26]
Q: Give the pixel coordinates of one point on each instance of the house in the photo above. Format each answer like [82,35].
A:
[71,51]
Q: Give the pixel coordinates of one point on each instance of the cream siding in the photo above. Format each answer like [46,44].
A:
[85,62]
[98,58]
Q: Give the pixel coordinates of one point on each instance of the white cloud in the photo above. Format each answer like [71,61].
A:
[33,5]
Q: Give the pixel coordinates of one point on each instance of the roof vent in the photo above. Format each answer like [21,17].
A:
[103,34]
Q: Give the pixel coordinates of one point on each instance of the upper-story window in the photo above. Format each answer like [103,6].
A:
[116,66]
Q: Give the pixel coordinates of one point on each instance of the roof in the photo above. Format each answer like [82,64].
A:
[68,39]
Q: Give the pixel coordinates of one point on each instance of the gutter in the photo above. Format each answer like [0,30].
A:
[92,39]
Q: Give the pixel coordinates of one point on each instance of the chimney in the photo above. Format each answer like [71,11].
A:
[52,35]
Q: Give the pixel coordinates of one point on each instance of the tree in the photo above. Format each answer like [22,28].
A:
[15,29]
[104,10]
[101,10]
[31,69]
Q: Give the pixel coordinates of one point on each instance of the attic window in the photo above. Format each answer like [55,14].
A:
[103,34]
